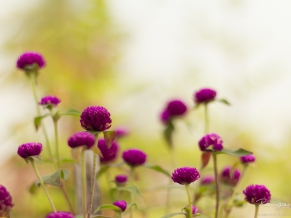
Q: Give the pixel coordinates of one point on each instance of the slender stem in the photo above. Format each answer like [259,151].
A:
[57,143]
[170,181]
[216,184]
[257,210]
[63,187]
[84,182]
[206,118]
[131,175]
[42,184]
[187,186]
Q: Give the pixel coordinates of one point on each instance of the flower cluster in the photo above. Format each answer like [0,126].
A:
[28,59]
[49,100]
[204,96]
[257,194]
[5,202]
[211,139]
[29,149]
[248,159]
[230,176]
[134,157]
[81,139]
[108,154]
[173,109]
[185,175]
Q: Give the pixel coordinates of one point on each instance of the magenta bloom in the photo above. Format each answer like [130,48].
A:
[185,175]
[174,108]
[211,139]
[108,154]
[248,159]
[205,95]
[207,180]
[134,157]
[60,214]
[81,139]
[5,202]
[49,101]
[230,177]
[95,118]
[194,210]
[121,132]
[121,204]
[27,60]
[121,179]
[29,149]
[257,194]
[165,116]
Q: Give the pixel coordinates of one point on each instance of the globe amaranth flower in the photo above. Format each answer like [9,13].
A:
[5,202]
[81,139]
[49,100]
[207,180]
[121,179]
[230,176]
[121,204]
[194,210]
[211,139]
[60,214]
[28,59]
[257,194]
[109,154]
[248,159]
[95,118]
[174,108]
[121,132]
[185,175]
[29,149]
[204,95]
[134,157]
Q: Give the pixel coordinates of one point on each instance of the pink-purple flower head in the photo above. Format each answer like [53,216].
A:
[81,139]
[5,202]
[230,176]
[134,157]
[29,149]
[60,214]
[194,210]
[28,60]
[96,119]
[173,109]
[121,132]
[204,96]
[211,139]
[207,180]
[185,175]
[121,204]
[121,179]
[257,194]
[248,159]
[108,154]
[49,101]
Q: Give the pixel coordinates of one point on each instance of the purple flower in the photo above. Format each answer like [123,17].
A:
[121,132]
[194,210]
[174,108]
[211,139]
[121,204]
[257,194]
[108,154]
[49,101]
[60,214]
[29,149]
[95,118]
[204,95]
[134,157]
[230,176]
[165,116]
[121,179]
[27,60]
[248,159]
[5,202]
[81,139]
[185,175]
[207,180]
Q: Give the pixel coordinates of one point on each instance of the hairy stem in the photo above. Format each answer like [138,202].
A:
[187,186]
[216,185]
[84,183]
[257,210]
[206,117]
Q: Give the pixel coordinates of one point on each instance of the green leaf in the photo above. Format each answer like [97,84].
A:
[205,158]
[158,169]
[36,158]
[109,137]
[132,205]
[102,170]
[33,188]
[108,206]
[196,106]
[174,214]
[168,134]
[133,189]
[224,101]
[237,153]
[71,112]
[37,121]
[54,179]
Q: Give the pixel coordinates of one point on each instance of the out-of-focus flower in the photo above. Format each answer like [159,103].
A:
[28,59]
[207,180]
[29,149]
[5,202]
[109,154]
[121,179]
[185,175]
[81,139]
[49,100]
[211,139]
[134,157]
[60,215]
[174,108]
[121,132]
[204,95]
[257,194]
[121,204]
[229,176]
[248,159]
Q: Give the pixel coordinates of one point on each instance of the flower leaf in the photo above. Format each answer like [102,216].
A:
[133,189]
[132,205]
[102,170]
[54,179]
[108,206]
[168,132]
[96,150]
[205,157]
[37,121]
[36,158]
[109,137]
[158,169]
[173,214]
[237,153]
[71,112]
[224,101]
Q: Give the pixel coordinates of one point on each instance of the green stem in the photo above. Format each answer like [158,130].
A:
[170,181]
[257,210]
[57,143]
[131,175]
[187,186]
[216,184]
[42,184]
[84,182]
[206,119]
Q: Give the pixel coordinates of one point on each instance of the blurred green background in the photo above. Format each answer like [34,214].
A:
[132,57]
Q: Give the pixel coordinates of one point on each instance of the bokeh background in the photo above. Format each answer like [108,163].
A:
[132,57]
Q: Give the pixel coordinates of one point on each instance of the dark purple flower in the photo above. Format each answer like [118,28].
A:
[5,202]
[211,139]
[174,108]
[108,154]
[49,101]
[165,116]
[121,204]
[121,179]
[185,175]
[29,149]
[95,118]
[134,157]
[28,59]
[230,176]
[121,132]
[204,95]
[60,214]
[81,139]
[257,194]
[206,180]
[248,159]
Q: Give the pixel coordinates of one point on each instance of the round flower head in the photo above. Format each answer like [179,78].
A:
[185,175]
[49,100]
[81,139]
[165,116]
[121,204]
[204,95]
[29,149]
[28,59]
[60,215]
[207,180]
[176,108]
[248,159]
[229,176]
[121,179]
[95,118]
[257,194]
[134,157]
[108,154]
[5,202]
[121,132]
[211,139]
